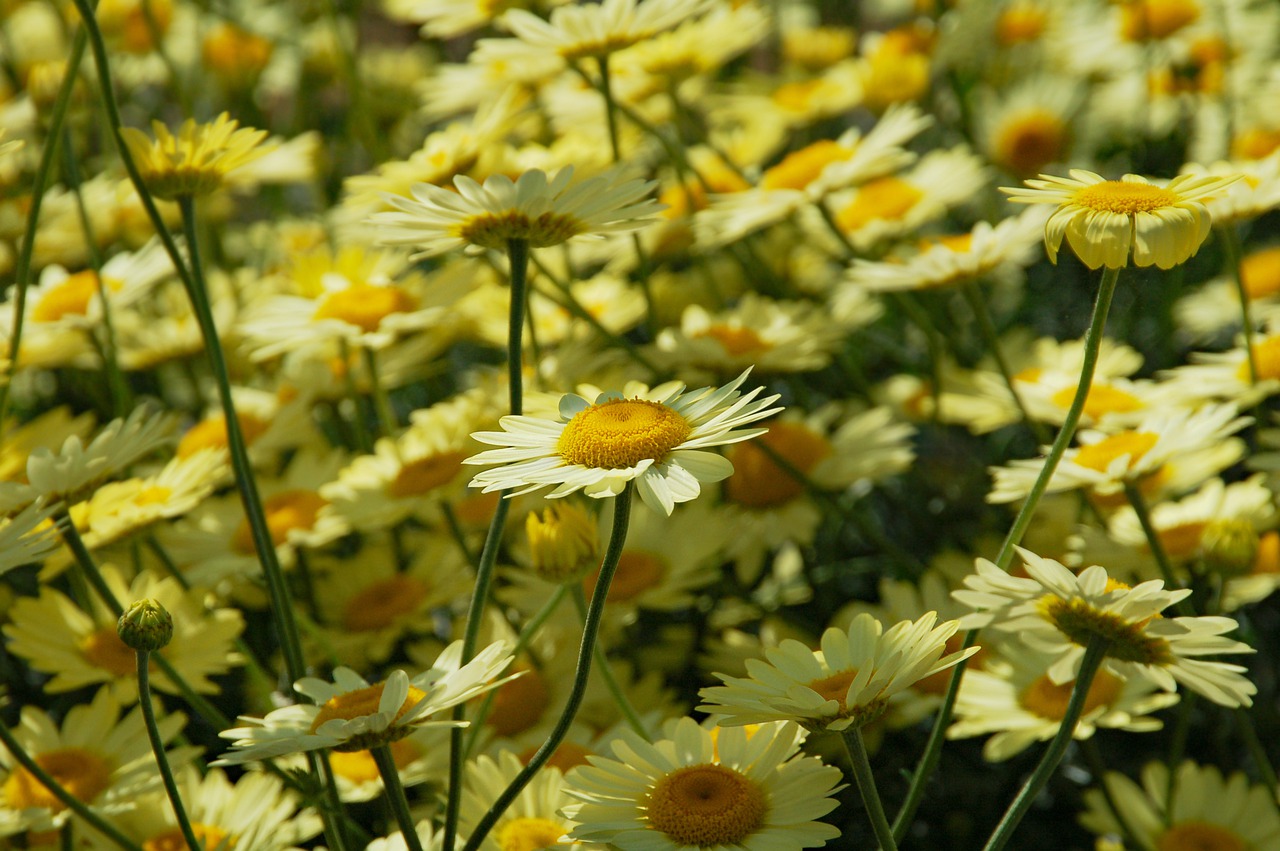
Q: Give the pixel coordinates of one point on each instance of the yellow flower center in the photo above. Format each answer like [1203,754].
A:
[286,512]
[800,168]
[887,198]
[71,297]
[834,687]
[758,481]
[1099,456]
[1030,141]
[1266,356]
[1183,540]
[494,230]
[1200,836]
[104,650]
[425,474]
[519,704]
[359,767]
[81,772]
[637,572]
[1267,559]
[1154,19]
[960,243]
[803,96]
[364,701]
[211,433]
[736,340]
[1255,143]
[1079,621]
[236,56]
[894,76]
[706,806]
[379,603]
[1048,699]
[364,305]
[1102,399]
[620,433]
[1020,23]
[1119,196]
[529,834]
[1260,273]
[172,839]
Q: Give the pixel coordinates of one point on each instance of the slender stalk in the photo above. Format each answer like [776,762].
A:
[457,532]
[77,806]
[518,263]
[381,401]
[395,795]
[1258,752]
[1177,750]
[1139,504]
[358,427]
[1231,247]
[606,672]
[988,328]
[857,750]
[590,629]
[1092,345]
[157,748]
[1093,756]
[1093,656]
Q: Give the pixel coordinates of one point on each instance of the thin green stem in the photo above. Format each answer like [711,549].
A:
[77,806]
[1177,750]
[606,672]
[857,750]
[1139,504]
[395,795]
[1231,248]
[386,414]
[987,326]
[1258,752]
[457,533]
[157,748]
[1094,653]
[364,441]
[578,689]
[1093,756]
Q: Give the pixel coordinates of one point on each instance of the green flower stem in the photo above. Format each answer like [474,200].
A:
[387,423]
[364,441]
[77,806]
[522,641]
[1177,750]
[1258,752]
[518,276]
[1094,653]
[395,795]
[1093,756]
[857,750]
[606,672]
[1231,247]
[281,599]
[988,328]
[44,170]
[1139,504]
[457,532]
[1092,344]
[590,629]
[933,346]
[157,748]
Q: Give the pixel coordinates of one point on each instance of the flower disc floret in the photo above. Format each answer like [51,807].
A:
[621,433]
[1080,621]
[706,806]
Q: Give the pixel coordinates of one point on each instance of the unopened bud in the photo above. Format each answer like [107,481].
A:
[1229,547]
[145,626]
[562,543]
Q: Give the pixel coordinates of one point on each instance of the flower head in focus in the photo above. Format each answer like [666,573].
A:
[1108,221]
[656,437]
[538,208]
[195,161]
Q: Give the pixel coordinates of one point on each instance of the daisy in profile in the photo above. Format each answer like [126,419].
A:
[844,684]
[1208,811]
[695,788]
[656,437]
[580,30]
[1057,612]
[1108,221]
[197,159]
[538,208]
[1228,375]
[350,714]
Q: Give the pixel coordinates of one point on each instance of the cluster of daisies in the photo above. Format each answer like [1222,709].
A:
[639,424]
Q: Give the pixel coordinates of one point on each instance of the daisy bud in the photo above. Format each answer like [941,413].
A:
[1229,547]
[562,543]
[145,626]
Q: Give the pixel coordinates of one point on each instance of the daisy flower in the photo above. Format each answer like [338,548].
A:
[1055,611]
[538,208]
[846,683]
[197,159]
[532,821]
[655,437]
[1209,810]
[1030,127]
[1108,221]
[576,31]
[734,788]
[350,714]
[1226,375]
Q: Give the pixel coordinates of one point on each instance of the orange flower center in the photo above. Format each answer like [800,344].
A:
[1099,456]
[364,305]
[210,836]
[286,512]
[103,649]
[360,702]
[519,704]
[1030,141]
[211,433]
[1200,836]
[736,340]
[380,603]
[81,772]
[706,806]
[529,834]
[758,481]
[620,433]
[887,198]
[1266,356]
[1049,700]
[800,168]
[1102,399]
[425,474]
[1020,23]
[1260,272]
[71,297]
[1125,198]
[1155,19]
[359,767]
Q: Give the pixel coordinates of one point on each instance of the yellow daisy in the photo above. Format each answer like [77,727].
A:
[1108,221]
[197,159]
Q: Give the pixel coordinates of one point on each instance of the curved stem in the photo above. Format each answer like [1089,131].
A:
[1231,247]
[77,806]
[606,672]
[590,629]
[395,795]
[157,748]
[1139,504]
[1093,656]
[857,751]
[988,328]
